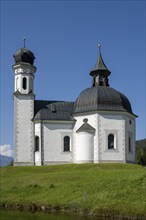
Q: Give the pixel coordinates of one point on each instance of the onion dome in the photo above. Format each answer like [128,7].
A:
[24,55]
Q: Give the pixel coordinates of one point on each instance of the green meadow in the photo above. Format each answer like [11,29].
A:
[94,189]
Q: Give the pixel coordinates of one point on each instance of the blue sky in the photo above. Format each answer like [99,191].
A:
[63,36]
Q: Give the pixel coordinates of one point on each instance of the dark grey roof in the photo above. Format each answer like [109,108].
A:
[86,128]
[41,104]
[101,98]
[54,110]
[24,55]
[100,67]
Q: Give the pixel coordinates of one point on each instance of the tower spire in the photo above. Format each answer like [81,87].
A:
[100,72]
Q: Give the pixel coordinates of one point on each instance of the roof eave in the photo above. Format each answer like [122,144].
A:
[54,121]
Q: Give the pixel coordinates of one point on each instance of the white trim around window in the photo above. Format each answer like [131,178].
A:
[63,135]
[115,144]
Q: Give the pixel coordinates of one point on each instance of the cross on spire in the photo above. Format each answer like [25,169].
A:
[24,39]
[99,46]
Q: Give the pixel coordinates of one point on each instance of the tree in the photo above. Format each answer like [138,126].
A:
[141,152]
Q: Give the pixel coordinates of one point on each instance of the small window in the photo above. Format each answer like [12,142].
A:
[111,142]
[24,83]
[36,143]
[66,143]
[129,144]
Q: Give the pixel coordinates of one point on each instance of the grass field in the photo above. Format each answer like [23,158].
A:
[117,189]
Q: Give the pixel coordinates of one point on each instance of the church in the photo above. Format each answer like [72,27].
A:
[98,127]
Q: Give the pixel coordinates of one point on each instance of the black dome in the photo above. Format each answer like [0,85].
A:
[101,98]
[24,55]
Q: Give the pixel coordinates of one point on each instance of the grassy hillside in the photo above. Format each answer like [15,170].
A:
[117,189]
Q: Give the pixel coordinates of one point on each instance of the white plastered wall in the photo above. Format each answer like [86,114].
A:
[112,124]
[52,142]
[85,148]
[104,124]
[53,133]
[24,130]
[79,138]
[130,132]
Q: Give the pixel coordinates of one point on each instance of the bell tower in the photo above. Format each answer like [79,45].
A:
[24,71]
[100,72]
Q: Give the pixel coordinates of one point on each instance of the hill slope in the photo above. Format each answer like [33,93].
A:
[116,189]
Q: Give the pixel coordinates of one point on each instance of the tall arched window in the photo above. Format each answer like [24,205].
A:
[111,142]
[24,83]
[129,144]
[66,144]
[36,143]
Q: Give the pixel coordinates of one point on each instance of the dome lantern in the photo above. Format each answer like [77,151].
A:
[100,72]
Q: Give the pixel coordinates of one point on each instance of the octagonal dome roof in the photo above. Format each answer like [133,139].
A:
[101,98]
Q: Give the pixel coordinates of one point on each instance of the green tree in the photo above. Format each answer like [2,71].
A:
[141,152]
[141,156]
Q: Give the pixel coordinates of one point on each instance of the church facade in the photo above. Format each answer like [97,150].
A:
[98,127]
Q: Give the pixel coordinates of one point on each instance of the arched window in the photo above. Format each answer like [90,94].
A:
[129,144]
[36,143]
[66,143]
[24,83]
[111,142]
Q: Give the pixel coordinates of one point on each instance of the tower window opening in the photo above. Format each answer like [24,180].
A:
[129,145]
[24,83]
[111,142]
[66,143]
[36,143]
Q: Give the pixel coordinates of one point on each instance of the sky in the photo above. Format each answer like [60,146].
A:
[63,35]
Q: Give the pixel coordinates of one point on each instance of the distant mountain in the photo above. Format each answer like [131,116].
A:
[5,161]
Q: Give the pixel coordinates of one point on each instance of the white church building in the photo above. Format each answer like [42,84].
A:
[98,127]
